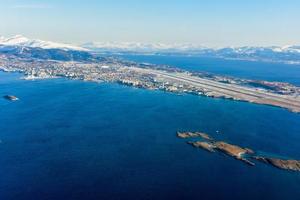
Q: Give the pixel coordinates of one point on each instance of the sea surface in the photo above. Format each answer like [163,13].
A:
[67,139]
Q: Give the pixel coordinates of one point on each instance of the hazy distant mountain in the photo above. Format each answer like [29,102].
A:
[287,54]
[140,47]
[158,47]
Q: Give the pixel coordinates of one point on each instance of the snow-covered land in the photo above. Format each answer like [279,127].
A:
[286,54]
[20,40]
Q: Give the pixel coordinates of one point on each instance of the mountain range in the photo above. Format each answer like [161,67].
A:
[286,54]
[20,45]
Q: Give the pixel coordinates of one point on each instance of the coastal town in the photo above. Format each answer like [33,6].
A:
[158,77]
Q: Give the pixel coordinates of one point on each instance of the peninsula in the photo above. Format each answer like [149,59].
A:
[159,77]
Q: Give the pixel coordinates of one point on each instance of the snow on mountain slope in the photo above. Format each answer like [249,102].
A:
[140,47]
[286,54]
[158,47]
[20,40]
[291,48]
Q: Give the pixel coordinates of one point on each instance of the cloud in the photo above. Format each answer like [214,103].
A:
[32,6]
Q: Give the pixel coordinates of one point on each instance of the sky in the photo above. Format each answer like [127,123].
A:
[213,23]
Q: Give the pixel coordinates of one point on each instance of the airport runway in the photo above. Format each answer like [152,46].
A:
[232,90]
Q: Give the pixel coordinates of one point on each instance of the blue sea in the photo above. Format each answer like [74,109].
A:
[68,139]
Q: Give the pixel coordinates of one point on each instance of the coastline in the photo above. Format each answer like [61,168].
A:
[215,89]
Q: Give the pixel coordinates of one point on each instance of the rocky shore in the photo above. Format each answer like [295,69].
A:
[293,165]
[226,148]
[204,145]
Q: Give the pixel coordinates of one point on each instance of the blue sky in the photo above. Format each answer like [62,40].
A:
[207,22]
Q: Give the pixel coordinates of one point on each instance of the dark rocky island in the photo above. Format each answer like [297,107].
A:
[10,97]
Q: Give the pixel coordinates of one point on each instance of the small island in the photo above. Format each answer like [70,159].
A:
[193,135]
[226,148]
[293,165]
[243,154]
[10,97]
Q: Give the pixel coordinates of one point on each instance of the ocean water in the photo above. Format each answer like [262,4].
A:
[69,139]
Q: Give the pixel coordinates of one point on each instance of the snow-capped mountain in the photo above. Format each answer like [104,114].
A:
[23,47]
[251,50]
[140,47]
[158,47]
[286,54]
[22,41]
[20,45]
